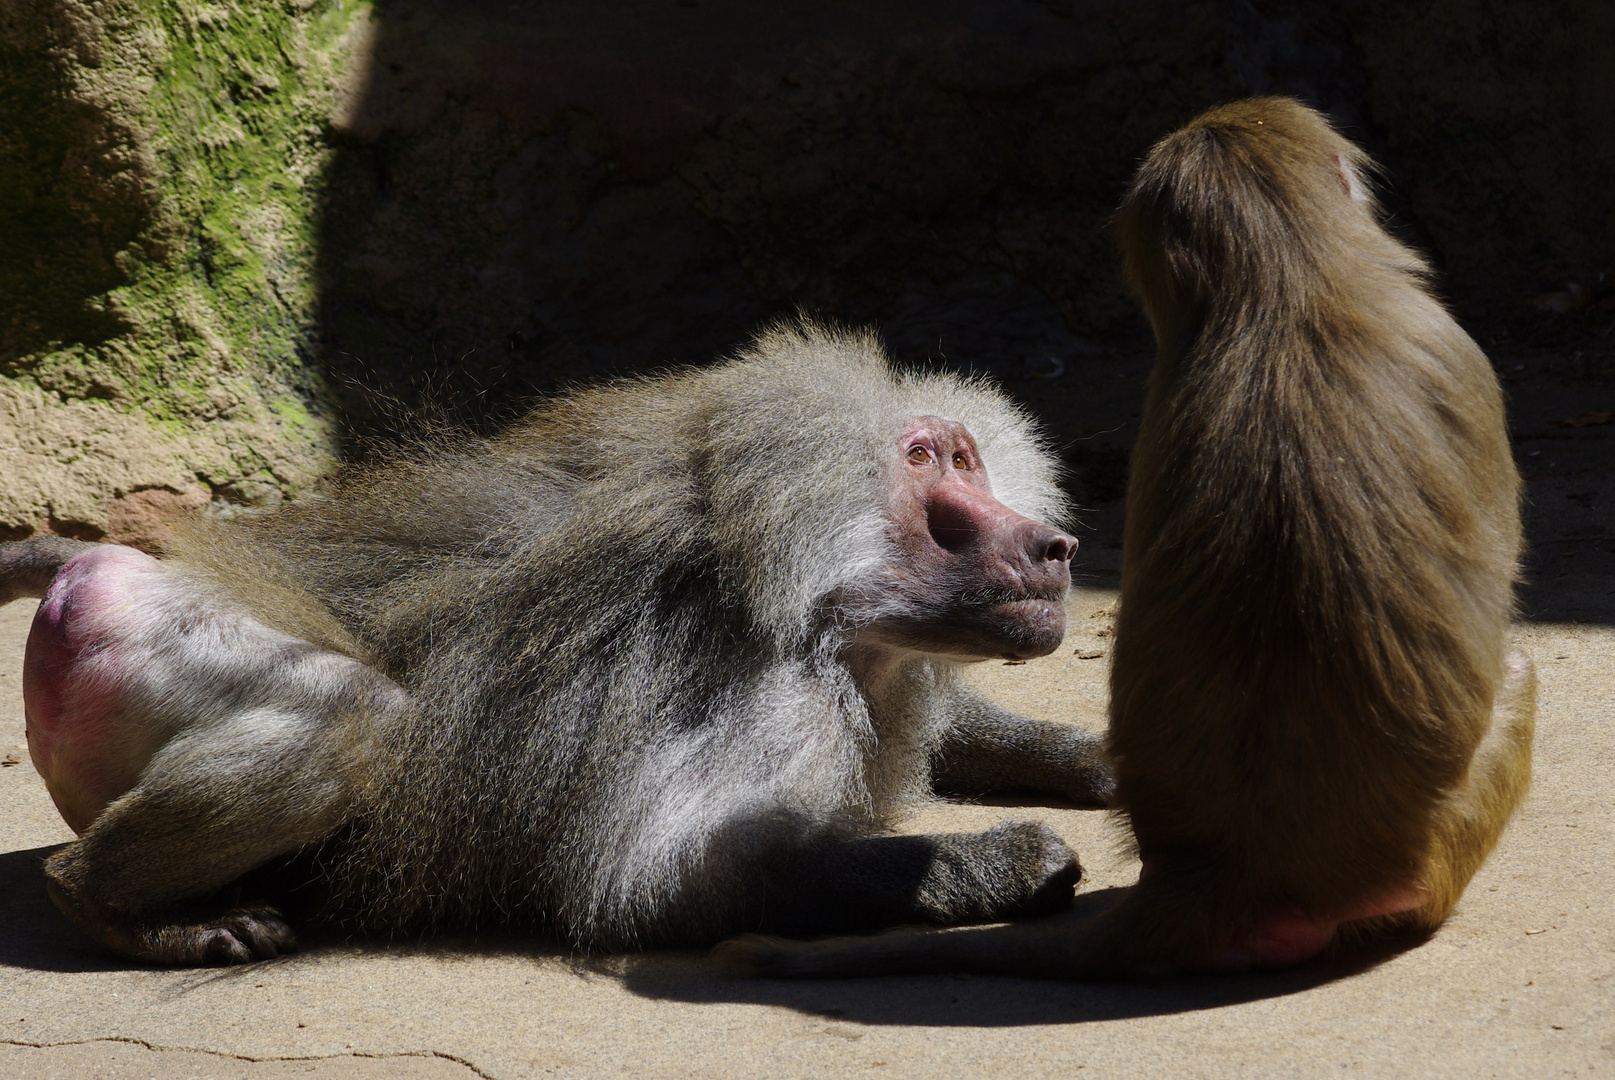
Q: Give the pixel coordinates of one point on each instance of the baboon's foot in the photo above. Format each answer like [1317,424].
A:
[1279,939]
[237,936]
[179,938]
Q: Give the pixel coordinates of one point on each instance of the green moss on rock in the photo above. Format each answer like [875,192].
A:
[161,164]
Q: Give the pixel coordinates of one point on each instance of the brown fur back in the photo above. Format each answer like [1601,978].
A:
[1322,526]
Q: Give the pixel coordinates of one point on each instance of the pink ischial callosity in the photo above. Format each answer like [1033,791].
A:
[1287,937]
[73,679]
[1284,936]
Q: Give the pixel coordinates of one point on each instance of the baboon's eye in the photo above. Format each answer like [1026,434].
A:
[919,455]
[960,461]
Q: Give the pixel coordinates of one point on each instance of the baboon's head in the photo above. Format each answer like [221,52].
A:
[975,579]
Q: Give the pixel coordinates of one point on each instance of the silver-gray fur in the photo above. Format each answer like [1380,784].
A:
[641,705]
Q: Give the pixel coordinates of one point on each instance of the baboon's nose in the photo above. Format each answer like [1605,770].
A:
[1046,557]
[1055,547]
[1047,547]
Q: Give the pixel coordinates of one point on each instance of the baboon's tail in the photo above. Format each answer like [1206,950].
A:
[1168,924]
[1035,949]
[27,566]
[1070,945]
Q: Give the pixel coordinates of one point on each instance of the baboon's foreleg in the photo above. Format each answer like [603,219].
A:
[1172,922]
[847,885]
[991,750]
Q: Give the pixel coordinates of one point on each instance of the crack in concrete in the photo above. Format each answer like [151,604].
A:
[160,1048]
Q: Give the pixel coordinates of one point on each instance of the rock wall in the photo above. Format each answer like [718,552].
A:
[1500,116]
[161,169]
[233,233]
[527,194]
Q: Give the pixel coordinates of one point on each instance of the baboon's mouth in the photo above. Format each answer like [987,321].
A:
[1006,598]
[1033,626]
[1029,603]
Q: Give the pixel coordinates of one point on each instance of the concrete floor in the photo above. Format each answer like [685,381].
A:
[1517,984]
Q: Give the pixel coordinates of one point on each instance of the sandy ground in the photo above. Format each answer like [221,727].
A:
[1517,984]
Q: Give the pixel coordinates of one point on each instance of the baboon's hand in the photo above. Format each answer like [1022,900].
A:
[1014,870]
[1088,778]
[1045,869]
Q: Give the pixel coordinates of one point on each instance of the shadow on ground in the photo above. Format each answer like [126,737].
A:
[986,1001]
[35,936]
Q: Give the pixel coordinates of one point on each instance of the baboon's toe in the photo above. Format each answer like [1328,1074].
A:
[219,946]
[238,936]
[262,930]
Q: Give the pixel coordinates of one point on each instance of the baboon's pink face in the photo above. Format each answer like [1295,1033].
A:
[977,579]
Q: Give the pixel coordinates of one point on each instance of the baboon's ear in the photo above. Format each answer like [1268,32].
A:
[1356,190]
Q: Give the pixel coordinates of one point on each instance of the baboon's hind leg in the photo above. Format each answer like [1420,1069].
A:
[212,806]
[1474,817]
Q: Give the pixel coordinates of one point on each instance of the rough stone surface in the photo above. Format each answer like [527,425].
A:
[530,194]
[252,226]
[86,469]
[1500,118]
[160,168]
[117,1059]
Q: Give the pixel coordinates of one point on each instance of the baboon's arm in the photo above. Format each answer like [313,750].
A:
[839,884]
[992,750]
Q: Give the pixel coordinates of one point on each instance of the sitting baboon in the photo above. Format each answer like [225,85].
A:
[1315,720]
[657,664]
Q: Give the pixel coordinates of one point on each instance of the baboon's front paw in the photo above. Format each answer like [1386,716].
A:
[1088,779]
[1092,787]
[1043,870]
[238,936]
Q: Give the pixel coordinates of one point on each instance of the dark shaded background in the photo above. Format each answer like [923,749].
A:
[531,194]
[535,192]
